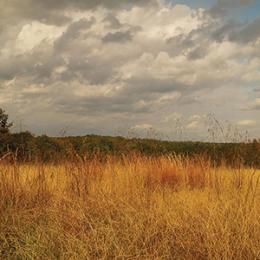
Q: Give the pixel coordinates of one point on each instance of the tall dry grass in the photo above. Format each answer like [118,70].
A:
[135,207]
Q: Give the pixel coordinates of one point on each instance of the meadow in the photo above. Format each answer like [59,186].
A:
[129,207]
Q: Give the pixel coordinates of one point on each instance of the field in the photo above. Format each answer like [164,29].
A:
[132,207]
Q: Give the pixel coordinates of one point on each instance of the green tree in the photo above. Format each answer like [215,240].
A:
[4,124]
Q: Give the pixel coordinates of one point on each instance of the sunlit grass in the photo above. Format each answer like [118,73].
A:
[134,207]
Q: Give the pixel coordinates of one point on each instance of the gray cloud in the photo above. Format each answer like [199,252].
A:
[197,42]
[224,31]
[37,65]
[198,52]
[103,105]
[255,106]
[118,37]
[236,31]
[44,11]
[73,32]
[248,33]
[53,12]
[223,6]
[112,22]
[90,69]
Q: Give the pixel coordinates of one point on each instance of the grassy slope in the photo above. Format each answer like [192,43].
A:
[134,208]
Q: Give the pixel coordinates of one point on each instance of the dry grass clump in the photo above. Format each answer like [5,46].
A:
[135,207]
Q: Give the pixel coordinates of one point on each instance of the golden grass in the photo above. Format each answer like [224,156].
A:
[135,207]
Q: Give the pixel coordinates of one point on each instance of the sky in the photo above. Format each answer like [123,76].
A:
[155,68]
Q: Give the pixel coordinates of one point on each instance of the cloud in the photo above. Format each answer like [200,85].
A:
[54,12]
[73,32]
[112,22]
[222,6]
[125,62]
[247,123]
[250,32]
[118,37]
[193,125]
[143,126]
[255,105]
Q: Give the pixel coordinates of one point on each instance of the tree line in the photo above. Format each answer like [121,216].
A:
[27,147]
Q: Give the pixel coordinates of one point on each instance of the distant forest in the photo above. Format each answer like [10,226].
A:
[27,147]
